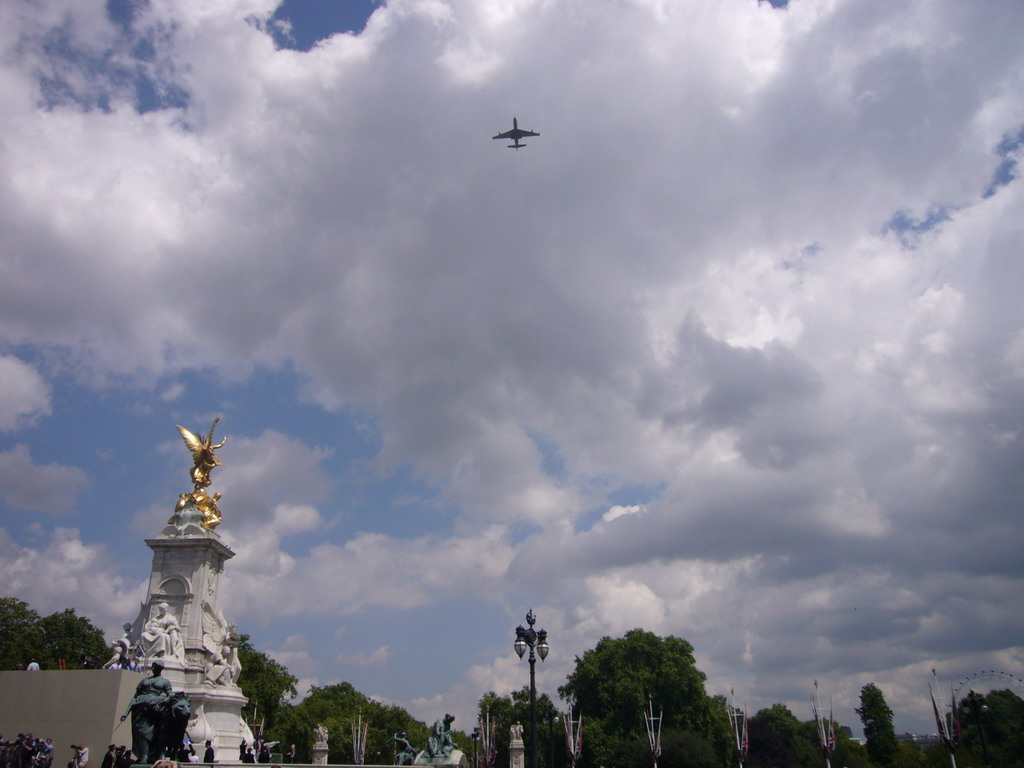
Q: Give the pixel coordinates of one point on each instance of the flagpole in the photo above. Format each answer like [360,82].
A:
[825,738]
[654,735]
[948,738]
[573,737]
[739,732]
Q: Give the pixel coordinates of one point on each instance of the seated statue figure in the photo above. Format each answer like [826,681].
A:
[439,743]
[161,637]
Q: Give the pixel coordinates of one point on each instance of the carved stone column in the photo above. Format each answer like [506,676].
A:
[516,749]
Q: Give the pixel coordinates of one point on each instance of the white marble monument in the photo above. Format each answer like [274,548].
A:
[516,749]
[320,748]
[181,621]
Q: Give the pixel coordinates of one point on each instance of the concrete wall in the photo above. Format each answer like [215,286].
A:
[78,706]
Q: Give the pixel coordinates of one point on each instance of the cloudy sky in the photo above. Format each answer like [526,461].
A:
[732,351]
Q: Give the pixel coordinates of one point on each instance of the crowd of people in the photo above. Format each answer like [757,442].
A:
[259,752]
[119,661]
[117,756]
[26,751]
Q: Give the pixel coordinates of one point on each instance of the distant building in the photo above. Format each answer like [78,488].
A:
[921,741]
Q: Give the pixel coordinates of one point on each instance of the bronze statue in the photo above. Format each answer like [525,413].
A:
[407,752]
[151,698]
[440,743]
[204,460]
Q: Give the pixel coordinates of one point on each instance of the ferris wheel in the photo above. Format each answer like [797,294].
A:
[992,676]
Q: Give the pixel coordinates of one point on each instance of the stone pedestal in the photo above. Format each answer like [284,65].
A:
[454,760]
[320,753]
[516,753]
[188,562]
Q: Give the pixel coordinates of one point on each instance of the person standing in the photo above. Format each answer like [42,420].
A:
[81,756]
[208,755]
[110,757]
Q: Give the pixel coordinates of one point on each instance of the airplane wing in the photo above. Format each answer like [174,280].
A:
[527,133]
[506,135]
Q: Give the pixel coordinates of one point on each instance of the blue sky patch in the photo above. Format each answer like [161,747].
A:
[315,20]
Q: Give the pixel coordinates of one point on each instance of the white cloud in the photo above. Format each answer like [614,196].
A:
[377,658]
[24,394]
[50,488]
[689,288]
[65,572]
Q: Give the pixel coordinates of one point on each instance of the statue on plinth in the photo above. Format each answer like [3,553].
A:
[516,732]
[441,749]
[320,749]
[440,743]
[159,717]
[204,459]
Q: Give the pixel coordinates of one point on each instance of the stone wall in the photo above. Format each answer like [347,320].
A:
[79,706]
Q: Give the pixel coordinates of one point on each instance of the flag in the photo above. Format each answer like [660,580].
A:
[954,724]
[745,743]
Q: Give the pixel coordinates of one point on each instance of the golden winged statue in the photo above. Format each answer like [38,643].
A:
[203,456]
[204,460]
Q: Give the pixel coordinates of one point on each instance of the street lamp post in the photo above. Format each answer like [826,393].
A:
[535,641]
[976,705]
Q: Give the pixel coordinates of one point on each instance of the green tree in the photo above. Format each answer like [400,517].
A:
[876,717]
[515,708]
[778,738]
[613,683]
[19,633]
[65,635]
[850,754]
[268,685]
[337,708]
[993,722]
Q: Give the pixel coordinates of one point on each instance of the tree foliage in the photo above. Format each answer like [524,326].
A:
[19,633]
[65,635]
[61,636]
[778,738]
[613,683]
[268,685]
[515,708]
[338,707]
[993,722]
[879,733]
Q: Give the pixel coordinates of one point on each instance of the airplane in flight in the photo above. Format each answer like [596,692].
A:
[515,134]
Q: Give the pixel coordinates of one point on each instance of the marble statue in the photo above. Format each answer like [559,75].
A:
[221,641]
[320,734]
[119,649]
[439,743]
[516,732]
[159,717]
[161,637]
